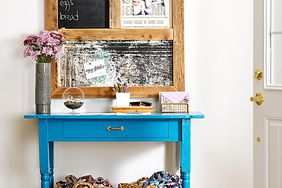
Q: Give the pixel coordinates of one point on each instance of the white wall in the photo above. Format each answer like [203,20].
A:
[218,68]
[219,75]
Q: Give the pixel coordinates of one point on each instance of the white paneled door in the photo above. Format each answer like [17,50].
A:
[267,97]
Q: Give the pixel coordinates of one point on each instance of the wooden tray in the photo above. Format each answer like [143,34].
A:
[138,109]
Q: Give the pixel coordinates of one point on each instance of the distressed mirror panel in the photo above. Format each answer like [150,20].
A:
[101,63]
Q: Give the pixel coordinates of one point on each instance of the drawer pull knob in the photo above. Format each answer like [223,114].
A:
[109,128]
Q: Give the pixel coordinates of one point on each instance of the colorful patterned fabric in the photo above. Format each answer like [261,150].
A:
[101,182]
[160,179]
[72,181]
[163,179]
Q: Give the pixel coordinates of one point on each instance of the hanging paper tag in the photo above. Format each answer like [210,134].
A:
[95,69]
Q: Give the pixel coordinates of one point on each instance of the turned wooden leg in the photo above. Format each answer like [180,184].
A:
[45,180]
[185,154]
[44,154]
[186,179]
[51,161]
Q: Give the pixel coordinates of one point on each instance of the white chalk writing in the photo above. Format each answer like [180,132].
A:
[66,15]
[66,4]
[69,17]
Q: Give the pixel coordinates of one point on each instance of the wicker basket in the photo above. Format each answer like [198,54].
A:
[81,185]
[86,181]
[175,108]
[136,184]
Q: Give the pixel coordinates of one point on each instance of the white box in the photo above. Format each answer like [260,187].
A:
[123,99]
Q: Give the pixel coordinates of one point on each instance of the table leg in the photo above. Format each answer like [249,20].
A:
[185,154]
[51,161]
[44,154]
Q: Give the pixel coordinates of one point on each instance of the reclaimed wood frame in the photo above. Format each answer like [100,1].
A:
[176,33]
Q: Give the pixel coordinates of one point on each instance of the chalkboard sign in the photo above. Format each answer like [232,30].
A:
[83,14]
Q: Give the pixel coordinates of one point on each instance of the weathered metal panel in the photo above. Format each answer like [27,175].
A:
[139,63]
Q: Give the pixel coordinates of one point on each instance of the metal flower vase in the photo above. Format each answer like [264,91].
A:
[43,88]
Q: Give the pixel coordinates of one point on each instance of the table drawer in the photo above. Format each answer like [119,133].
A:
[115,128]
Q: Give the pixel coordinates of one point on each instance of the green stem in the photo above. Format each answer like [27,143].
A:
[43,59]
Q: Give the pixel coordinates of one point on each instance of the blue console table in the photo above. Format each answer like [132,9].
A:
[112,128]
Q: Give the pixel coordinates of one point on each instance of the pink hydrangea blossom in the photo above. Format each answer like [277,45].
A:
[28,52]
[58,50]
[30,39]
[44,47]
[47,50]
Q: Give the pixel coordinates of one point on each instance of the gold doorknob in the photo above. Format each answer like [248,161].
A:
[257,99]
[258,139]
[258,74]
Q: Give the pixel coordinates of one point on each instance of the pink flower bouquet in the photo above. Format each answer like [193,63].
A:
[44,47]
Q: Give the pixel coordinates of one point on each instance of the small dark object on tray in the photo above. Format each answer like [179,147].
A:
[73,104]
[135,107]
[140,103]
